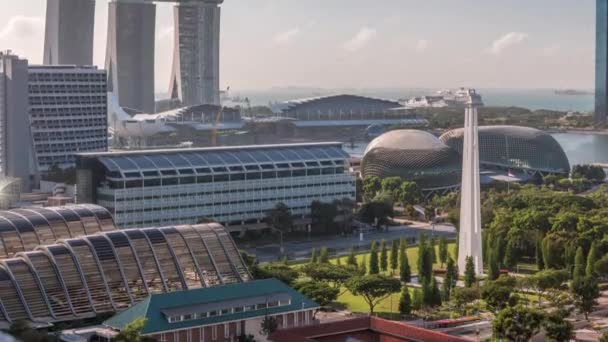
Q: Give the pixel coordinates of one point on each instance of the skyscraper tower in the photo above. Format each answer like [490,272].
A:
[469,239]
[68,36]
[130,53]
[196,55]
[601,61]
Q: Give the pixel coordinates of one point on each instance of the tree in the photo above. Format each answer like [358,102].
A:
[557,328]
[496,295]
[280,218]
[425,260]
[493,267]
[318,291]
[511,253]
[405,274]
[517,323]
[542,281]
[409,193]
[373,259]
[469,273]
[443,250]
[371,186]
[465,295]
[585,292]
[373,288]
[132,332]
[330,273]
[592,258]
[363,266]
[417,300]
[435,297]
[376,212]
[352,257]
[579,265]
[323,216]
[282,272]
[451,277]
[313,256]
[540,263]
[601,266]
[383,256]
[394,256]
[323,256]
[268,326]
[405,302]
[433,249]
[391,186]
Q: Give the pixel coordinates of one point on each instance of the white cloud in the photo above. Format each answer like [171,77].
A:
[506,41]
[360,40]
[422,45]
[287,36]
[21,27]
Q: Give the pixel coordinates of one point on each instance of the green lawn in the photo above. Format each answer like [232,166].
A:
[356,304]
[412,256]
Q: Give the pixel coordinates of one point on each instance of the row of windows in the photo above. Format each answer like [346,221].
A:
[71,135]
[191,334]
[225,219]
[227,311]
[43,111]
[232,191]
[229,203]
[66,100]
[67,77]
[168,181]
[67,88]
[69,124]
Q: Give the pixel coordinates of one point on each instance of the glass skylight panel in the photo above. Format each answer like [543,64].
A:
[244,157]
[109,164]
[195,159]
[213,159]
[161,162]
[124,163]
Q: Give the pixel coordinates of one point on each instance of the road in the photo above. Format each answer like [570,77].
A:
[301,249]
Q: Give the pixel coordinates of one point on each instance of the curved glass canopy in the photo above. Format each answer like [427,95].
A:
[26,228]
[81,277]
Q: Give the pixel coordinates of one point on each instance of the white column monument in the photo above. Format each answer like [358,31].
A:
[469,242]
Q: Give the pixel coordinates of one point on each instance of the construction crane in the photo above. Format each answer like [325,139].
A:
[218,117]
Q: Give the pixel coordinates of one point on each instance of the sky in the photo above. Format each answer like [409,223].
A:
[368,43]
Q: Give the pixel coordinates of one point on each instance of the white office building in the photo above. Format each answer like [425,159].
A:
[235,186]
[68,113]
[47,113]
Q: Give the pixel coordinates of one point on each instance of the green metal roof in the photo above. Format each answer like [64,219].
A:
[151,308]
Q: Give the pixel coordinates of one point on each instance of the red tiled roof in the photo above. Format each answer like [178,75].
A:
[398,330]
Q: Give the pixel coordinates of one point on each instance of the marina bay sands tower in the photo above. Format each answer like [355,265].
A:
[130,47]
[469,237]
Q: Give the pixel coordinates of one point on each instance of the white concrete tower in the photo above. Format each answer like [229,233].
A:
[469,242]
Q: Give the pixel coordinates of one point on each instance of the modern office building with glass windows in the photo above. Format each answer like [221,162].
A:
[235,186]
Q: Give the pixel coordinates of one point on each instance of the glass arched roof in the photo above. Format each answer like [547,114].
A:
[107,271]
[218,157]
[26,228]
